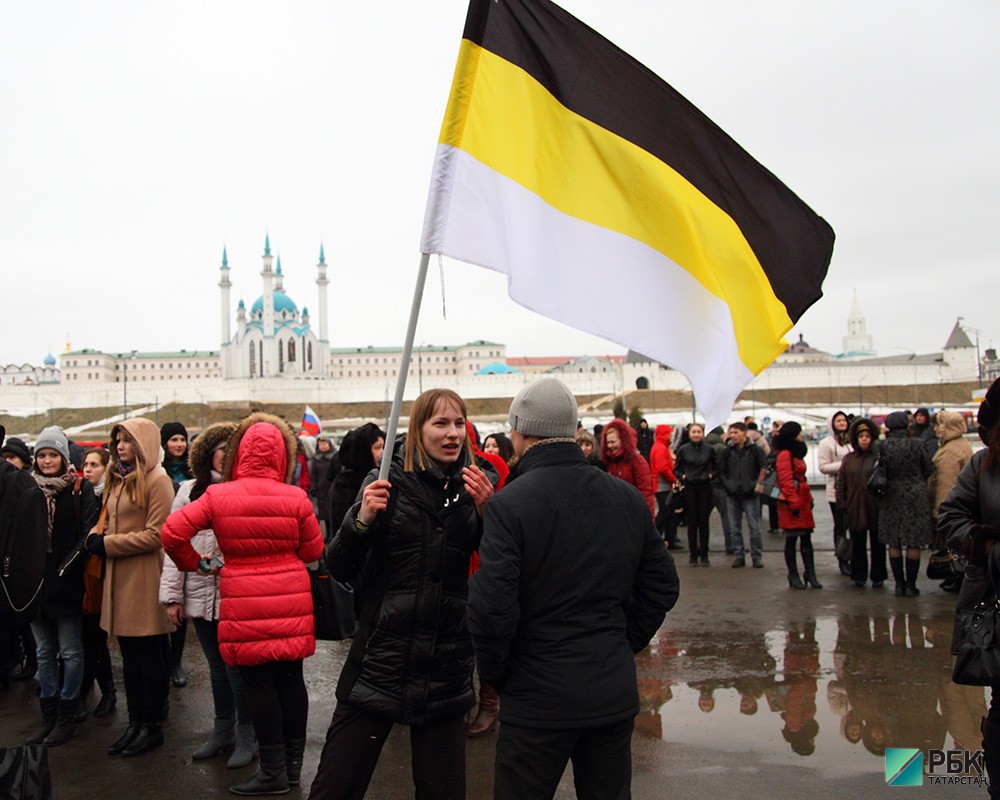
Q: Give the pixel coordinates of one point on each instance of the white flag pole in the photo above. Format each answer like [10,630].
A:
[404,368]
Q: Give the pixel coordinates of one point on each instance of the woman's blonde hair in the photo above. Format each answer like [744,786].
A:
[415,455]
[134,483]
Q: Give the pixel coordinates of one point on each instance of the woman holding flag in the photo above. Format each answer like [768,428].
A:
[410,538]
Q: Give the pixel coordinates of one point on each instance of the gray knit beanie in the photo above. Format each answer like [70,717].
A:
[546,409]
[53,439]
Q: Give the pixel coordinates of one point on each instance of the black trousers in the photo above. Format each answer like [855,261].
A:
[96,658]
[146,674]
[278,700]
[698,508]
[530,762]
[354,742]
[859,557]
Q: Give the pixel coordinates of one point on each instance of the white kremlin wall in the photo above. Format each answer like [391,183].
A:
[849,376]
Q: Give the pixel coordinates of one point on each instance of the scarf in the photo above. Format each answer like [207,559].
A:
[52,486]
[124,470]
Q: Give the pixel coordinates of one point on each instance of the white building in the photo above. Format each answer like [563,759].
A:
[428,362]
[29,374]
[93,368]
[274,339]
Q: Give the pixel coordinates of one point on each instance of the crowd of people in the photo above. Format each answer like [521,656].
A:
[461,561]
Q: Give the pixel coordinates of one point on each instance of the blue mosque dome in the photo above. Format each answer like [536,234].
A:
[282,302]
[49,360]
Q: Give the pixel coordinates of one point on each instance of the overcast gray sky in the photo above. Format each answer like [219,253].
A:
[138,138]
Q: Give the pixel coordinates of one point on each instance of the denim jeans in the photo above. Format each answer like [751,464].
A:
[61,637]
[228,694]
[737,507]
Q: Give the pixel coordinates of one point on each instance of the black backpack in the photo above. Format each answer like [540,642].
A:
[23,544]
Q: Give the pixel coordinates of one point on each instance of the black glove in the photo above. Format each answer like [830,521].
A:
[95,545]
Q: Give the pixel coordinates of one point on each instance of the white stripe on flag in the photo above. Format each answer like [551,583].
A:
[591,278]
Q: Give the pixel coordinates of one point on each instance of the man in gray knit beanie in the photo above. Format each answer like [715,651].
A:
[545,409]
[574,580]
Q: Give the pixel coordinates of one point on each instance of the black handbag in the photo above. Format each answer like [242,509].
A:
[945,564]
[878,481]
[978,659]
[24,773]
[333,605]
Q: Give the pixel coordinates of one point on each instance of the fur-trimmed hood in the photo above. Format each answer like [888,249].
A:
[200,452]
[628,437]
[257,452]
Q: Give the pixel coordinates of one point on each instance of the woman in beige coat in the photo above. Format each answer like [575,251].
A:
[137,496]
[953,453]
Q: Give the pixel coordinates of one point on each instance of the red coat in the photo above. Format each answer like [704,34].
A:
[798,499]
[661,460]
[628,465]
[267,532]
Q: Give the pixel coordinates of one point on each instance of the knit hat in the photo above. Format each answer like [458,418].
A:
[170,429]
[989,410]
[53,439]
[546,409]
[18,448]
[788,433]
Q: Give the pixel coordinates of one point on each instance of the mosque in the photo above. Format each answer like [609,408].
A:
[274,338]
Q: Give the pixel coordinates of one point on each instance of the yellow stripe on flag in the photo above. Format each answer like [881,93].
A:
[504,118]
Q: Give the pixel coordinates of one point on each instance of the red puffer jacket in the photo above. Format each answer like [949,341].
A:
[266,530]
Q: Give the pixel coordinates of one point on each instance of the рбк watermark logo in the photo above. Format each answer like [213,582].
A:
[904,766]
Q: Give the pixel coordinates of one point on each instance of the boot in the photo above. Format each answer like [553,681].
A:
[794,581]
[809,570]
[912,570]
[223,738]
[81,711]
[125,739]
[65,723]
[488,714]
[991,754]
[271,778]
[27,669]
[106,704]
[294,750]
[50,712]
[150,737]
[896,563]
[246,747]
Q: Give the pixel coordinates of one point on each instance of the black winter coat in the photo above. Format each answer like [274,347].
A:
[411,659]
[319,484]
[973,501]
[63,596]
[695,463]
[739,469]
[904,512]
[574,580]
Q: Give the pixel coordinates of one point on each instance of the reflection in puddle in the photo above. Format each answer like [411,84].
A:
[838,690]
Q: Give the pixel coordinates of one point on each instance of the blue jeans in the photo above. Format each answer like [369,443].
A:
[737,507]
[57,638]
[227,682]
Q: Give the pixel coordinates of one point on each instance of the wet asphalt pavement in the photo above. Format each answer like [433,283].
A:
[748,690]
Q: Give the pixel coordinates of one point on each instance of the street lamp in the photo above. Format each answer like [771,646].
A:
[125,361]
[201,408]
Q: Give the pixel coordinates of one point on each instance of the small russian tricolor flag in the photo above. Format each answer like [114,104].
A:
[310,422]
